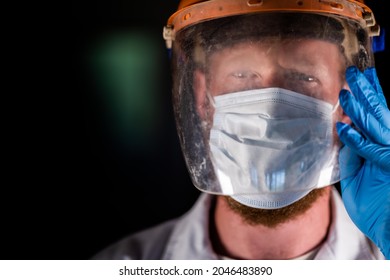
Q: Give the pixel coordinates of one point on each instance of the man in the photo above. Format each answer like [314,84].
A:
[265,94]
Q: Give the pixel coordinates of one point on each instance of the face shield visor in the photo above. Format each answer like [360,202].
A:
[255,93]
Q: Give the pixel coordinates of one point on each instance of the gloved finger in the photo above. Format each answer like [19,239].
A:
[371,127]
[378,154]
[366,94]
[372,77]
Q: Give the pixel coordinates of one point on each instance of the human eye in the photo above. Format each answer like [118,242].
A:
[302,83]
[244,75]
[243,80]
[301,77]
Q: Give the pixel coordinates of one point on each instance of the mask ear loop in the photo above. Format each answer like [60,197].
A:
[210,99]
[336,106]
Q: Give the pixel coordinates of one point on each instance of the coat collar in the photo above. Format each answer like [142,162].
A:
[190,237]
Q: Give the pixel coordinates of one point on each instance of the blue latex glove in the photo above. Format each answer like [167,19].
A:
[366,155]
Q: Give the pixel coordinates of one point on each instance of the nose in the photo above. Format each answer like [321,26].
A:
[273,78]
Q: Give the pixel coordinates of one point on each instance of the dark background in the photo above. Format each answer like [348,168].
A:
[73,181]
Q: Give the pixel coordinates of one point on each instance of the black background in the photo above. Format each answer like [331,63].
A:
[67,189]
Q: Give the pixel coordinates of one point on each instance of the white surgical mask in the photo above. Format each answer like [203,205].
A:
[270,147]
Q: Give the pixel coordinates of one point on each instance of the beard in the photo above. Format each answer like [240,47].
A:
[274,217]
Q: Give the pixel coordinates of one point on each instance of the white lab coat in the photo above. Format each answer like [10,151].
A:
[187,238]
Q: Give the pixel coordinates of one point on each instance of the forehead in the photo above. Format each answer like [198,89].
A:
[299,50]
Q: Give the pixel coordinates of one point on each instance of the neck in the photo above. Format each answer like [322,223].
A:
[240,240]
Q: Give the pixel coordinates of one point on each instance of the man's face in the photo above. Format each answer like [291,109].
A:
[311,67]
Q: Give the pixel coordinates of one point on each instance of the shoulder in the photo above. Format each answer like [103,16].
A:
[146,244]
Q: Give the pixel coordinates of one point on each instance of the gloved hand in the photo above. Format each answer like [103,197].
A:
[366,155]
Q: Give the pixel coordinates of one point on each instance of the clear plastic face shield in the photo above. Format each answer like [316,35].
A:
[256,95]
